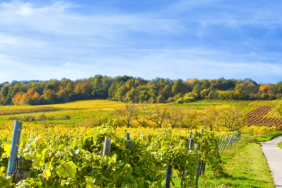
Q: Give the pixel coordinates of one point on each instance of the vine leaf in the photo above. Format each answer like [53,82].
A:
[66,169]
[7,149]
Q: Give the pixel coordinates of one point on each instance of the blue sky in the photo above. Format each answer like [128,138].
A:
[204,39]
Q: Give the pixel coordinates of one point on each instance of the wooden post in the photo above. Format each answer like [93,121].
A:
[203,163]
[22,170]
[198,172]
[107,147]
[168,176]
[106,150]
[130,146]
[127,136]
[14,148]
[191,144]
[190,147]
[239,135]
[203,168]
[199,164]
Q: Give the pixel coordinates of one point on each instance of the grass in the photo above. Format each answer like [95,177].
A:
[245,166]
[279,145]
[268,137]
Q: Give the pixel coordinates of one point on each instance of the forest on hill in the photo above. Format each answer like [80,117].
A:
[128,88]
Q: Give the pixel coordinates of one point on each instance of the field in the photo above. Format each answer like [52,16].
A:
[54,135]
[86,113]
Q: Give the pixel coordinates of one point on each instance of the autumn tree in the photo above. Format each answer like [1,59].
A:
[159,114]
[127,113]
[209,117]
[85,90]
[231,118]
[175,117]
[141,114]
[61,95]
[190,119]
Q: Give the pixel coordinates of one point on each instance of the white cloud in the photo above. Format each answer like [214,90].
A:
[56,41]
[167,64]
[19,42]
[60,19]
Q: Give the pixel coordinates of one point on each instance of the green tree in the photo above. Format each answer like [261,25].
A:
[97,91]
[160,99]
[166,92]
[178,87]
[197,89]
[144,96]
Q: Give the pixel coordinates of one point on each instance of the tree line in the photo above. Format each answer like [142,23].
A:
[136,90]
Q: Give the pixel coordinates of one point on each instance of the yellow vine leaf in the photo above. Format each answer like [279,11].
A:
[7,149]
[66,169]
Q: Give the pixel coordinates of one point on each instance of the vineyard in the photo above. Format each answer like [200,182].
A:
[76,158]
[70,152]
[264,115]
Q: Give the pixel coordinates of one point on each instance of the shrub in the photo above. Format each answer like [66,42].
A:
[179,101]
[14,118]
[31,118]
[41,117]
[25,118]
[65,117]
[170,99]
[50,117]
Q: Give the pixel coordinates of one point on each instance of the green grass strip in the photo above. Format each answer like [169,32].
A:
[279,145]
[268,137]
[245,166]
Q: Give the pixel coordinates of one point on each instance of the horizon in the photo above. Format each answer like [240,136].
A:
[207,39]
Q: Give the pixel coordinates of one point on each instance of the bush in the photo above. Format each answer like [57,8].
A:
[41,117]
[50,118]
[66,117]
[14,118]
[160,99]
[271,97]
[264,96]
[31,118]
[27,118]
[278,95]
[179,101]
[188,99]
[170,99]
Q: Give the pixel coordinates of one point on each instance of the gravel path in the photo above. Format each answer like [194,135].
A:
[273,155]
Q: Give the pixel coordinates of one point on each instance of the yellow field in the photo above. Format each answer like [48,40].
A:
[81,116]
[89,104]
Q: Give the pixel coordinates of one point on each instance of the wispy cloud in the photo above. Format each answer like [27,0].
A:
[202,39]
[61,19]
